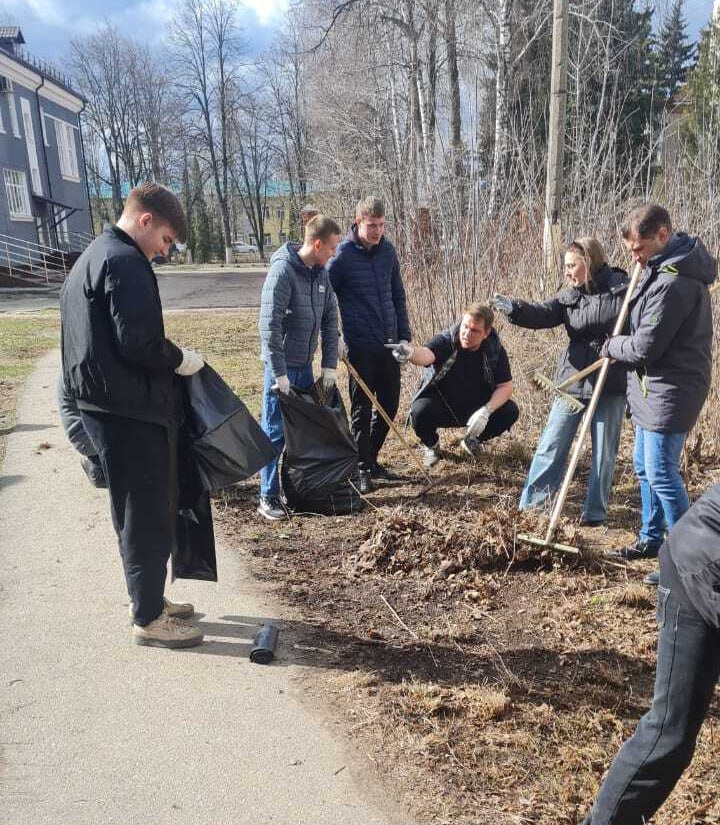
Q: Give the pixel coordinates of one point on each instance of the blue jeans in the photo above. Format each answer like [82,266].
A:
[548,465]
[272,423]
[650,763]
[662,489]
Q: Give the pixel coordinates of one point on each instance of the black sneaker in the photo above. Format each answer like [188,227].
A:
[636,551]
[652,579]
[378,471]
[365,484]
[271,508]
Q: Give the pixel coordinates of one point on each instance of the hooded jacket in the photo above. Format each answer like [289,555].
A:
[588,317]
[297,304]
[115,355]
[694,545]
[670,342]
[370,293]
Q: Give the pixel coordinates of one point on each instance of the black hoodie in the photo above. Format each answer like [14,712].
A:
[670,341]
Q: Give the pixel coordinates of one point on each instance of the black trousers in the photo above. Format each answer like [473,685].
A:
[140,465]
[381,372]
[430,413]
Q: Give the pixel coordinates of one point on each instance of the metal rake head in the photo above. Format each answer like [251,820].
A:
[542,382]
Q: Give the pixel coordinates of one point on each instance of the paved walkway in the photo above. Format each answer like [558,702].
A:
[94,730]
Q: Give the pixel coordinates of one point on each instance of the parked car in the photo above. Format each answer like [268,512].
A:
[244,247]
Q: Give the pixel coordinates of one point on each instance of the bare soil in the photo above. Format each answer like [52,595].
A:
[491,681]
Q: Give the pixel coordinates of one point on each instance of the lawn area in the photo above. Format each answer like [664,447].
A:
[23,339]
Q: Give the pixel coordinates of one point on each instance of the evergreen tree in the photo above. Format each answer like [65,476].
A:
[674,53]
[701,123]
[200,234]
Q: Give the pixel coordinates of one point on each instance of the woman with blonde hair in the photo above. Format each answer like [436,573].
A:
[587,308]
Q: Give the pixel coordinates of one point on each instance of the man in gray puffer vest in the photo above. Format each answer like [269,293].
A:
[670,350]
[297,304]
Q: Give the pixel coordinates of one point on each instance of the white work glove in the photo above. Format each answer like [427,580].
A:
[191,362]
[477,422]
[282,383]
[328,378]
[502,304]
[342,349]
[403,352]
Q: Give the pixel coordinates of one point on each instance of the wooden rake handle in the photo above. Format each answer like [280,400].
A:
[386,418]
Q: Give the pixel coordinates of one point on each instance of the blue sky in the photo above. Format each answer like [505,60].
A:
[49,24]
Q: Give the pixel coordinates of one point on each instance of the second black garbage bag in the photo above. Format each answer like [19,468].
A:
[319,465]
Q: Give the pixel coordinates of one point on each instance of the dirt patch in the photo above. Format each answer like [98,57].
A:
[490,680]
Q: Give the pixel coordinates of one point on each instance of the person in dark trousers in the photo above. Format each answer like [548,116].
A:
[466,382]
[365,274]
[121,371]
[588,308]
[296,306]
[669,350]
[650,763]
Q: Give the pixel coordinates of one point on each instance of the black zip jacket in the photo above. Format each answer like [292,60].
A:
[588,317]
[670,340]
[115,355]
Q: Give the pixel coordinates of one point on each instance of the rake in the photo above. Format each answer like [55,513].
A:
[386,418]
[587,418]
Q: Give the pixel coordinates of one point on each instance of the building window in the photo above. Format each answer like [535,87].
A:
[61,225]
[280,213]
[2,125]
[13,112]
[282,238]
[267,240]
[42,237]
[31,147]
[266,213]
[66,150]
[17,195]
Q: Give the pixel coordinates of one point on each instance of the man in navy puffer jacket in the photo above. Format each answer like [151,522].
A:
[365,274]
[297,305]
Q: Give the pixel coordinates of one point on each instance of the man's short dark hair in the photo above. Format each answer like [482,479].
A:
[480,312]
[370,207]
[320,228]
[646,221]
[162,204]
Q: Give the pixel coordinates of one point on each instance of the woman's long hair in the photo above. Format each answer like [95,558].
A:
[592,253]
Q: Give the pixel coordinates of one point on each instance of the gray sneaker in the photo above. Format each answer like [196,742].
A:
[271,508]
[167,632]
[472,446]
[430,455]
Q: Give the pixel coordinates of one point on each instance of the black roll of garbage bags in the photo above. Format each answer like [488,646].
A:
[319,464]
[227,442]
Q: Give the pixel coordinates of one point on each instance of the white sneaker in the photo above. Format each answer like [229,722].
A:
[177,610]
[431,455]
[165,631]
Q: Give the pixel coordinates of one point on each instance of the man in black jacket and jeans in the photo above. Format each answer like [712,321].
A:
[651,762]
[365,274]
[120,369]
[669,350]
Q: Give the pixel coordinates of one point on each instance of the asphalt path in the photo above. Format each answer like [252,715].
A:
[98,731]
[207,289]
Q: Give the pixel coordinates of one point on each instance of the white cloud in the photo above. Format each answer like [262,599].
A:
[267,10]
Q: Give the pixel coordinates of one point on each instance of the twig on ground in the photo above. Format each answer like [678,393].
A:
[406,628]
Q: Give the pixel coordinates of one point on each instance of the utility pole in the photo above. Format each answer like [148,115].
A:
[552,238]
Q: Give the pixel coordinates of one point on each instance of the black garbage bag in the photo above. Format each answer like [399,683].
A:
[320,458]
[193,554]
[227,442]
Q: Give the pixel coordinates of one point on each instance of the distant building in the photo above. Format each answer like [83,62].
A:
[43,192]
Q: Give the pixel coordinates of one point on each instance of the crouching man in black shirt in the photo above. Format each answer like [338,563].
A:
[466,382]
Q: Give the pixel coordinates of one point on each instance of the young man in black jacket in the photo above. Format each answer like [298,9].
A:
[651,762]
[120,369]
[466,382]
[669,350]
